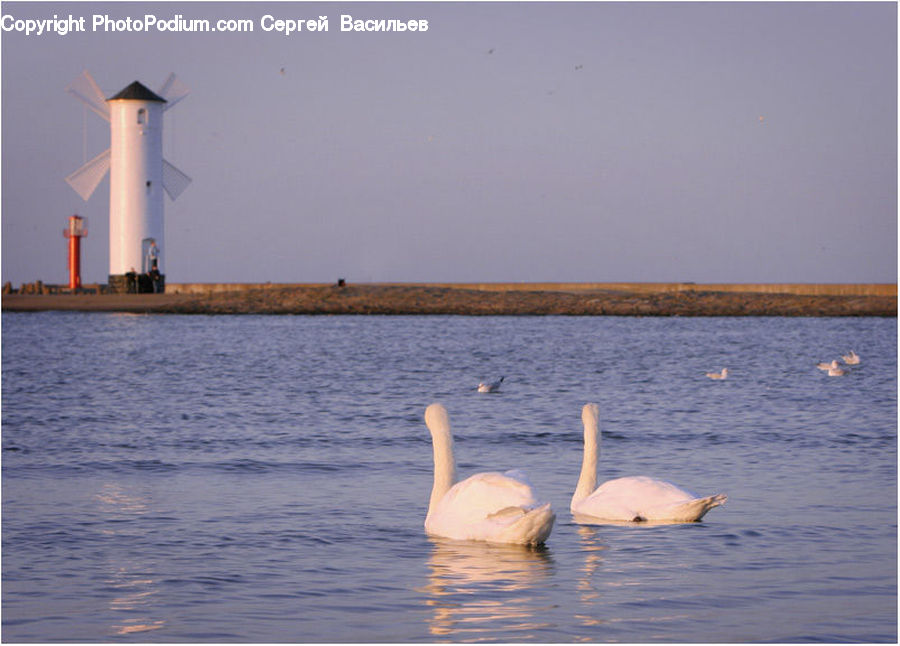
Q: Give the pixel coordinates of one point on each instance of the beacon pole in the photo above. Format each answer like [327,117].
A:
[76,230]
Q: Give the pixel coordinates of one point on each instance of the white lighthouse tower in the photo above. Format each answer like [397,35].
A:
[138,177]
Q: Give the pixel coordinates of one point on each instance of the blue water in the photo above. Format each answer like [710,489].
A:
[265,479]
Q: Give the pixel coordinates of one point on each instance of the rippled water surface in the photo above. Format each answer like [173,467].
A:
[265,479]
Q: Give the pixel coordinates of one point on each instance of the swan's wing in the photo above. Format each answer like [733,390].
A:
[686,512]
[643,488]
[492,507]
[493,491]
[632,498]
[507,513]
[481,495]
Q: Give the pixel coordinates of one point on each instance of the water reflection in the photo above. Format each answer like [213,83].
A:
[588,593]
[134,592]
[477,590]
[616,595]
[133,588]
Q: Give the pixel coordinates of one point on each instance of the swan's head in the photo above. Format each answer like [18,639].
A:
[436,419]
[590,416]
[724,372]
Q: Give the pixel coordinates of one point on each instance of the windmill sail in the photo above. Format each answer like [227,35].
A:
[85,179]
[173,91]
[86,89]
[174,181]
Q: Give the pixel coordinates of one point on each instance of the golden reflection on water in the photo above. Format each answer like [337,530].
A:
[588,593]
[134,589]
[476,590]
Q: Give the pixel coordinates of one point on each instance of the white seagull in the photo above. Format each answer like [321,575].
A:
[493,507]
[490,387]
[718,375]
[851,359]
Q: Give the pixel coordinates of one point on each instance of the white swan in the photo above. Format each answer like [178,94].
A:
[827,365]
[636,498]
[836,372]
[492,507]
[490,387]
[851,359]
[718,375]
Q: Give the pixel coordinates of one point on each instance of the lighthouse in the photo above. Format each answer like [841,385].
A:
[76,230]
[138,176]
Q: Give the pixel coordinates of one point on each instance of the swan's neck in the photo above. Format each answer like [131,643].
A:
[587,481]
[444,467]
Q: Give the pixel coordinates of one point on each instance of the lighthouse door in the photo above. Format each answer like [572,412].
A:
[149,255]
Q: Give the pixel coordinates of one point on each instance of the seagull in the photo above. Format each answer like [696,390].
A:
[836,372]
[827,365]
[490,387]
[851,359]
[718,375]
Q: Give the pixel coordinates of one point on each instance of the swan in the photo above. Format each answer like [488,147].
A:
[851,359]
[836,372]
[636,498]
[828,365]
[492,507]
[490,387]
[718,375]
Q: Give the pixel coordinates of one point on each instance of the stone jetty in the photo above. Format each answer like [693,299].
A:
[474,299]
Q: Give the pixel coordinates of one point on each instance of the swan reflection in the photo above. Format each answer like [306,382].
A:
[607,588]
[589,594]
[480,590]
[134,586]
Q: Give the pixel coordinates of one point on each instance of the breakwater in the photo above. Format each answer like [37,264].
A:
[577,299]
[800,289]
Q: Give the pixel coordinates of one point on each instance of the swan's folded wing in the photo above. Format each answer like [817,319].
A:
[507,513]
[643,491]
[687,512]
[606,508]
[483,494]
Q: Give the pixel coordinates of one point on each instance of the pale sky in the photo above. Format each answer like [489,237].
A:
[584,141]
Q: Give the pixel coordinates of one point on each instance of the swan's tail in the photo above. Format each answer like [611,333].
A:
[691,511]
[532,528]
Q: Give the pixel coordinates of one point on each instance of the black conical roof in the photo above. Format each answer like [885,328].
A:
[137,92]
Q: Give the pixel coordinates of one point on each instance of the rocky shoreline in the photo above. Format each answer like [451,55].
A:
[420,299]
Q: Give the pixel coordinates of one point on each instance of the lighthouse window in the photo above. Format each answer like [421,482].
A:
[142,116]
